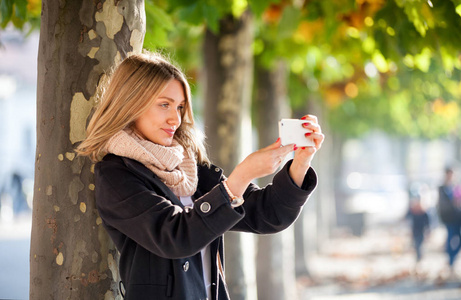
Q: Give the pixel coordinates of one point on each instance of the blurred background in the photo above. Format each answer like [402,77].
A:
[383,77]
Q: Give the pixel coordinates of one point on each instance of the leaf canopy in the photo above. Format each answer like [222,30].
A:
[393,65]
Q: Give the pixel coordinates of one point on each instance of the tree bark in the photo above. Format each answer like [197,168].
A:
[320,216]
[275,265]
[301,241]
[71,255]
[228,66]
[325,167]
[457,146]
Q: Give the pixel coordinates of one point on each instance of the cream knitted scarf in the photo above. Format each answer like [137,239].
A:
[174,165]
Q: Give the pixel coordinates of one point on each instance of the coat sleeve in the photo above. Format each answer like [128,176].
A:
[132,209]
[275,207]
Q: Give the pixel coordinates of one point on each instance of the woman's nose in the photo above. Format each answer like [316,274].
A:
[174,118]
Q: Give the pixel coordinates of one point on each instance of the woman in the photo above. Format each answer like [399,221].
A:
[450,215]
[162,202]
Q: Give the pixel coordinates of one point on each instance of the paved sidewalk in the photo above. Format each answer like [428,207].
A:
[381,265]
[14,258]
[377,266]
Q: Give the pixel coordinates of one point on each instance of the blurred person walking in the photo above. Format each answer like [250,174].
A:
[419,226]
[450,215]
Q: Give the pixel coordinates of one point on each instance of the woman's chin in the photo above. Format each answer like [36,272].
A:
[166,142]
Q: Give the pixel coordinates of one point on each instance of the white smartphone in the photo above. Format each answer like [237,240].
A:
[291,131]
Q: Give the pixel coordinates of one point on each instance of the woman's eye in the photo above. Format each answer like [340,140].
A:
[181,107]
[164,105]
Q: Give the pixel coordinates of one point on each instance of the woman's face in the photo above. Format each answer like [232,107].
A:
[161,120]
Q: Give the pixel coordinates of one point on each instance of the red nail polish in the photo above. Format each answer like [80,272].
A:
[304,118]
[307,133]
[277,140]
[305,124]
[304,148]
[295,148]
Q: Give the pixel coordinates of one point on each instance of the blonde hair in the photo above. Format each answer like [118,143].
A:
[131,89]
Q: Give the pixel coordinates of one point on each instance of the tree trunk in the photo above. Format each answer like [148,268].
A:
[272,104]
[320,216]
[228,66]
[325,167]
[71,255]
[302,242]
[457,146]
[275,264]
[338,141]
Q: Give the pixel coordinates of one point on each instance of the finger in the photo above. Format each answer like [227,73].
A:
[275,145]
[311,118]
[278,161]
[279,155]
[284,150]
[309,149]
[312,126]
[316,137]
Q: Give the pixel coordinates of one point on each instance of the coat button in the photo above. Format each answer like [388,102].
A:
[186,266]
[216,169]
[205,207]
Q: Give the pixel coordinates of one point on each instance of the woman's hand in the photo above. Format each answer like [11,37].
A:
[304,155]
[256,165]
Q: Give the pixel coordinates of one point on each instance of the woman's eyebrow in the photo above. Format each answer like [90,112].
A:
[171,99]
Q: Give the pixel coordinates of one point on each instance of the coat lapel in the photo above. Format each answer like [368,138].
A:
[145,172]
[209,177]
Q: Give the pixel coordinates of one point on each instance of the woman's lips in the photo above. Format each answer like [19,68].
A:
[170,132]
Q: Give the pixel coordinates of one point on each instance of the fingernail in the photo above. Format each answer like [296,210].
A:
[306,124]
[295,148]
[278,140]
[304,148]
[304,118]
[307,133]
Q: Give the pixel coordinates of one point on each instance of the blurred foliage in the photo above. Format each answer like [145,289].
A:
[393,65]
[20,12]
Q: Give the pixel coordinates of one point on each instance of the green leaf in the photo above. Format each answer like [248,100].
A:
[423,60]
[191,14]
[158,24]
[18,23]
[212,16]
[418,14]
[155,38]
[20,9]
[180,3]
[6,11]
[458,9]
[239,7]
[289,22]
[201,12]
[259,6]
[159,16]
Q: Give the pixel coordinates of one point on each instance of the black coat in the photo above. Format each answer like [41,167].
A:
[160,240]
[449,213]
